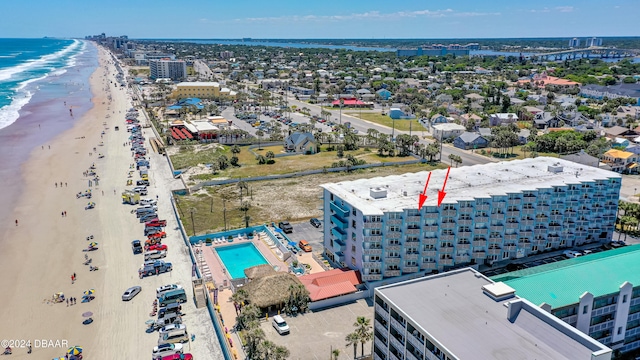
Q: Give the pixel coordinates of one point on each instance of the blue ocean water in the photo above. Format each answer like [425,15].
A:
[25,62]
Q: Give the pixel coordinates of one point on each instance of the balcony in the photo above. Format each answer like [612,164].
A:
[514,202]
[339,244]
[463,259]
[434,215]
[394,222]
[412,231]
[448,225]
[339,223]
[446,250]
[479,254]
[430,241]
[410,269]
[497,216]
[393,235]
[510,247]
[526,233]
[396,343]
[411,256]
[495,239]
[482,219]
[380,345]
[528,211]
[539,243]
[466,210]
[395,248]
[481,231]
[555,228]
[372,277]
[540,231]
[446,262]
[499,204]
[511,237]
[431,228]
[495,251]
[373,225]
[428,266]
[339,210]
[557,218]
[446,237]
[391,273]
[392,260]
[543,208]
[483,207]
[413,219]
[463,246]
[526,222]
[465,222]
[429,253]
[338,234]
[449,213]
[383,313]
[512,226]
[372,265]
[479,243]
[372,252]
[373,238]
[410,356]
[513,213]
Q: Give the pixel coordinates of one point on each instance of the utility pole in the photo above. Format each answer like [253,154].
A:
[193,224]
[440,147]
[341,104]
[224,213]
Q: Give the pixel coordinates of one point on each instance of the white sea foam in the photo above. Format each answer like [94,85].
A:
[6,74]
[10,113]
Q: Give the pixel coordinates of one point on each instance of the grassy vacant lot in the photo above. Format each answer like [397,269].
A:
[295,199]
[249,167]
[387,121]
[517,151]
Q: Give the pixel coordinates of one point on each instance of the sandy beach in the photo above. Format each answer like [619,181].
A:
[45,248]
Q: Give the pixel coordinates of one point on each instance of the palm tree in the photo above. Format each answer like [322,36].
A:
[280,353]
[253,338]
[245,208]
[451,157]
[353,339]
[259,134]
[261,159]
[223,162]
[335,353]
[235,149]
[270,155]
[363,329]
[266,349]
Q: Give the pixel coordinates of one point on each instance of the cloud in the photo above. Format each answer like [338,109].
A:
[564,8]
[543,10]
[376,15]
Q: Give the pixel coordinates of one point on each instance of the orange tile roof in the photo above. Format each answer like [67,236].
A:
[330,283]
[619,154]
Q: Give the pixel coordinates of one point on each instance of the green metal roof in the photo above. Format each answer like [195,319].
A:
[562,283]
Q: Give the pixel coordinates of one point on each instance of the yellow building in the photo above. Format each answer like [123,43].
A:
[202,90]
[623,162]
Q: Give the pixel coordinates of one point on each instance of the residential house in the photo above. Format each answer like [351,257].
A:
[444,98]
[583,158]
[469,140]
[447,131]
[470,118]
[533,110]
[633,148]
[502,118]
[540,99]
[523,136]
[486,133]
[474,97]
[545,120]
[437,119]
[623,162]
[593,91]
[383,94]
[620,143]
[301,143]
[397,113]
[516,101]
[619,131]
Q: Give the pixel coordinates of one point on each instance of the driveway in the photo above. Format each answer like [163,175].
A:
[306,231]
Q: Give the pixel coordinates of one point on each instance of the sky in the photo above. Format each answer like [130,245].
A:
[305,19]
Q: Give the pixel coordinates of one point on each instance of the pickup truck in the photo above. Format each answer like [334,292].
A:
[157,236]
[136,247]
[285,227]
[156,223]
[158,266]
[155,255]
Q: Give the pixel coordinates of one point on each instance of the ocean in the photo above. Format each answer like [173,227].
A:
[26,62]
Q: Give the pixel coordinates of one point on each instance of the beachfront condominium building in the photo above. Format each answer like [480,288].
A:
[463,315]
[202,90]
[574,43]
[491,213]
[167,69]
[599,294]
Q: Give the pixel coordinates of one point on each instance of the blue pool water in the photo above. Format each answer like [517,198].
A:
[236,258]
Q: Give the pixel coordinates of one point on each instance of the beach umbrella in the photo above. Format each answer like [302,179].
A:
[89,292]
[87,314]
[93,244]
[75,350]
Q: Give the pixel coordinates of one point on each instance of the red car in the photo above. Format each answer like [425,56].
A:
[157,247]
[158,235]
[156,223]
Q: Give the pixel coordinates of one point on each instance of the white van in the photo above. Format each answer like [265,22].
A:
[171,328]
[175,336]
[154,255]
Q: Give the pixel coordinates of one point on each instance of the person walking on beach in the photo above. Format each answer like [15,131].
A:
[65,215]
[67,302]
[56,184]
[16,222]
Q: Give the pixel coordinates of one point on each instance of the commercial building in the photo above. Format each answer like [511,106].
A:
[491,213]
[463,315]
[599,294]
[167,69]
[574,43]
[630,91]
[594,41]
[201,89]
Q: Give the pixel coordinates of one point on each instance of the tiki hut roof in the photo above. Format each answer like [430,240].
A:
[271,290]
[257,271]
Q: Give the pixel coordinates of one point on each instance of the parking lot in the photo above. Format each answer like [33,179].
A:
[306,231]
[314,334]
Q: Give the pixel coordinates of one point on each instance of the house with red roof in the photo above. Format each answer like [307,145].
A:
[332,283]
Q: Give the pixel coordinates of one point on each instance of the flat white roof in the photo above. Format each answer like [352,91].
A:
[464,183]
[204,126]
[448,126]
[198,83]
[452,308]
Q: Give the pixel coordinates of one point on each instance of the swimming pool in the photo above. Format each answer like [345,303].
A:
[236,258]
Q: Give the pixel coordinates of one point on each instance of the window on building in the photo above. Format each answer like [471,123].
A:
[353,248]
[534,248]
[353,224]
[353,261]
[376,232]
[374,258]
[505,255]
[624,299]
[394,228]
[585,309]
[619,330]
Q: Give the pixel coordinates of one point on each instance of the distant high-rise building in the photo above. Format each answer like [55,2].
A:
[574,43]
[167,69]
[594,41]
[226,54]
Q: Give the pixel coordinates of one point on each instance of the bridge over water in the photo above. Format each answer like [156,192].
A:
[590,52]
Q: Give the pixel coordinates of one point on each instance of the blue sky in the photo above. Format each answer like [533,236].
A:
[319,19]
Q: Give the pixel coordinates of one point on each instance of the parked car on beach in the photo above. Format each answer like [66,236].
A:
[165,288]
[166,350]
[136,246]
[131,292]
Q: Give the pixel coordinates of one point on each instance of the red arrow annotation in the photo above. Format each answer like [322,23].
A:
[423,197]
[441,193]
